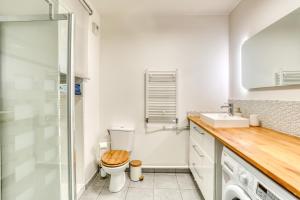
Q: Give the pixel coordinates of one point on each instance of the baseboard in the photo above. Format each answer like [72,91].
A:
[90,180]
[164,169]
[80,190]
[84,186]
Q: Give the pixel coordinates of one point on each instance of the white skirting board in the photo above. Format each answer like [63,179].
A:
[80,190]
[82,187]
[165,167]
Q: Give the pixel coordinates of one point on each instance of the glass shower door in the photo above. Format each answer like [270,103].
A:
[35,109]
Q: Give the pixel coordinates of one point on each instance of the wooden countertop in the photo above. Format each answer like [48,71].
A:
[275,154]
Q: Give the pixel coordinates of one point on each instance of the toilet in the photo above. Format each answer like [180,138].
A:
[116,160]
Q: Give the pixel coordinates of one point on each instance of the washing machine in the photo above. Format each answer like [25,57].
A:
[241,181]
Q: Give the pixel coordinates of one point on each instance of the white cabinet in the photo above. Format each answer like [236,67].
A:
[195,163]
[202,160]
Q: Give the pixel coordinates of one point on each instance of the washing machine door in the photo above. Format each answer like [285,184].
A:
[234,192]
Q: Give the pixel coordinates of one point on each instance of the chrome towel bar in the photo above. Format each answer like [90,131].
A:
[87,7]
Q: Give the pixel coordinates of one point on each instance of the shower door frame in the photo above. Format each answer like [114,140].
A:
[72,190]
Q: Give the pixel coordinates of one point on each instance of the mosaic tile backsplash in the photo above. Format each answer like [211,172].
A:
[283,116]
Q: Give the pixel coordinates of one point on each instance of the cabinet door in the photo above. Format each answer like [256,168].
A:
[196,133]
[208,169]
[195,164]
[202,160]
[208,145]
[204,139]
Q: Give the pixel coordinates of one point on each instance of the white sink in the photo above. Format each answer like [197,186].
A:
[224,120]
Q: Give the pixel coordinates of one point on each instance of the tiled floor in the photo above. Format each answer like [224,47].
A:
[158,186]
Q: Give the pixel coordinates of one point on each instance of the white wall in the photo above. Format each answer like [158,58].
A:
[81,35]
[91,101]
[248,18]
[196,45]
[86,55]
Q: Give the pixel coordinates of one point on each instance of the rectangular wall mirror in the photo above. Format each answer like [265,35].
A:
[271,58]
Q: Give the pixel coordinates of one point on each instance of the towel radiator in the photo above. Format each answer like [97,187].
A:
[161,96]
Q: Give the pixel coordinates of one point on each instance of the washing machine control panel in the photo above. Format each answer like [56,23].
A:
[264,194]
[245,179]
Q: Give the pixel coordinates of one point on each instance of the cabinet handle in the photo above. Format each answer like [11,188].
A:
[201,177]
[198,130]
[198,151]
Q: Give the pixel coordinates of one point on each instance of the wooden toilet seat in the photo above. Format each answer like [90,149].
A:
[115,158]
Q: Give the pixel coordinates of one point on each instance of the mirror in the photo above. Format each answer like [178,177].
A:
[272,57]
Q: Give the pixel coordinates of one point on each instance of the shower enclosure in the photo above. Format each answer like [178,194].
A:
[36,106]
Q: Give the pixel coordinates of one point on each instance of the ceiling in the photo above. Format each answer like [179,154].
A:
[161,7]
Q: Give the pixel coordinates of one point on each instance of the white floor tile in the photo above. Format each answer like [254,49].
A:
[139,194]
[165,181]
[90,193]
[185,181]
[190,195]
[167,194]
[99,181]
[148,182]
[160,186]
[88,198]
[94,189]
[107,195]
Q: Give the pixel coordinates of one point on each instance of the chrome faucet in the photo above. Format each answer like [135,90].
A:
[230,108]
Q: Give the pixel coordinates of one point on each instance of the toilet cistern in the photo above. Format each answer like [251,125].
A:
[116,160]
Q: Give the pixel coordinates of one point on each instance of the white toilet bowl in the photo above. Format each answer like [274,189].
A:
[117,177]
[116,160]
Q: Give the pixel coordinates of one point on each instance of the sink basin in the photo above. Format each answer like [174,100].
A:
[224,120]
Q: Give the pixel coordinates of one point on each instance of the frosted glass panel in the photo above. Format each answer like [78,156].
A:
[33,123]
[28,7]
